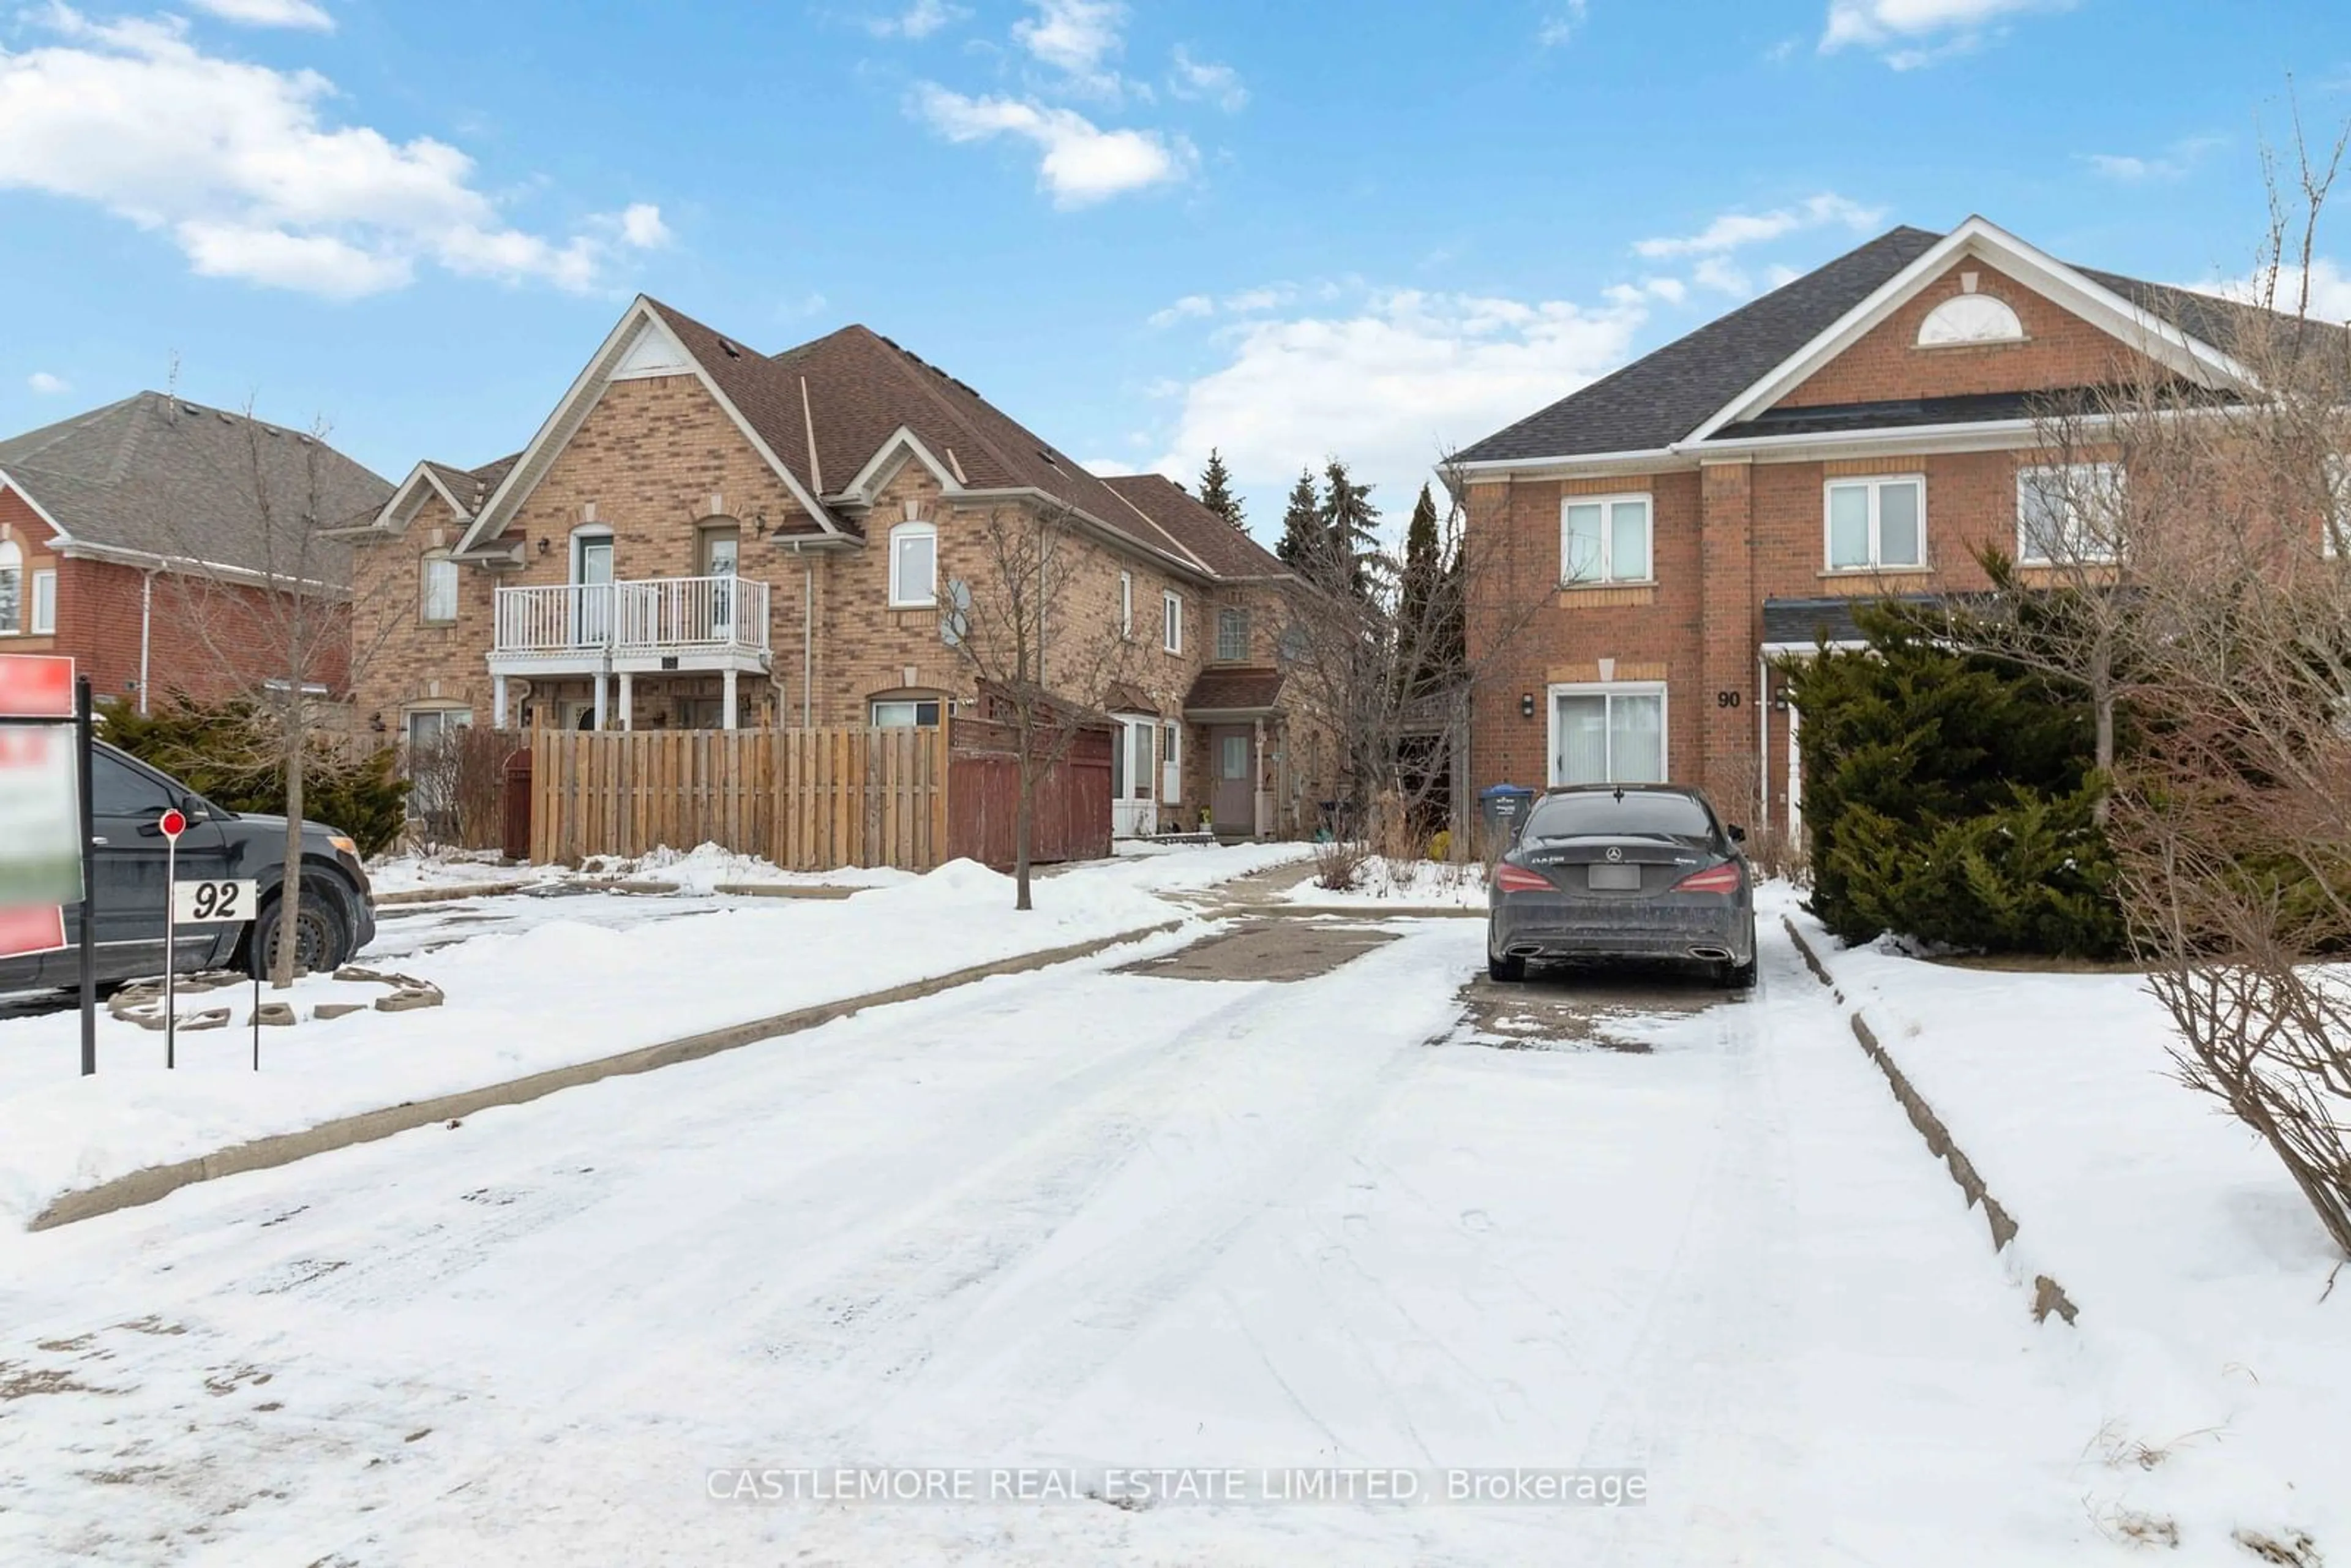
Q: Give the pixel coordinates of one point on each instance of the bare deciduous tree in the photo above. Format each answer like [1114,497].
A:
[278,624]
[1042,642]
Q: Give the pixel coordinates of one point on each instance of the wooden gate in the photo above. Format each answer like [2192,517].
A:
[809,799]
[1074,820]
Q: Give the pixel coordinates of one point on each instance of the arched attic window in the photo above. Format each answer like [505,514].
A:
[1969,319]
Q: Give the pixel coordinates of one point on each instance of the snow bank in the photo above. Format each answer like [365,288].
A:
[1436,884]
[2196,1263]
[448,868]
[705,868]
[563,990]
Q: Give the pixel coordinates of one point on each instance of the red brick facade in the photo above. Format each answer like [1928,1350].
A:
[1733,530]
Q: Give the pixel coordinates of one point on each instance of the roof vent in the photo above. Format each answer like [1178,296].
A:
[732,351]
[189,408]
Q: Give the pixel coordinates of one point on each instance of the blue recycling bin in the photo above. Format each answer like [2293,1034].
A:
[1503,809]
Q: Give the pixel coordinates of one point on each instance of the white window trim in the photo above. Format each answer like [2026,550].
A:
[2023,477]
[1171,762]
[1223,613]
[1171,630]
[1126,605]
[1608,689]
[42,624]
[898,596]
[12,561]
[1873,483]
[1608,538]
[873,706]
[425,590]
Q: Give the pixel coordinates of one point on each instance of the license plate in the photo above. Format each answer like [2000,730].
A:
[1614,878]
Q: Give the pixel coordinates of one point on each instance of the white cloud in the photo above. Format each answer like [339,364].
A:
[917,21]
[1722,276]
[235,162]
[46,384]
[1560,26]
[1909,34]
[1190,308]
[1082,163]
[2281,288]
[641,226]
[1732,231]
[271,13]
[1220,84]
[1077,38]
[2174,163]
[1389,381]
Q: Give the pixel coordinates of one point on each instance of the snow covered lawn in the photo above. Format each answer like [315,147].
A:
[1431,885]
[1080,1219]
[701,869]
[583,977]
[2206,1326]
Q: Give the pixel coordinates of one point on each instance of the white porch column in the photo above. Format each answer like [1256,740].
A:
[628,701]
[726,704]
[600,699]
[498,702]
[1261,800]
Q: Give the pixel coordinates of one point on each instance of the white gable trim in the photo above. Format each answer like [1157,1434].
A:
[399,511]
[8,481]
[2094,302]
[882,466]
[573,408]
[656,352]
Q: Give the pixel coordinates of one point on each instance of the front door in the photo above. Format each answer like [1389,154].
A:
[1232,789]
[591,598]
[1133,811]
[721,549]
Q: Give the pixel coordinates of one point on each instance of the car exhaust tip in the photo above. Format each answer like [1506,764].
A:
[1526,950]
[1711,954]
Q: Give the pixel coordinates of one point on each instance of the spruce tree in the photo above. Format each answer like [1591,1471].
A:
[1428,618]
[1300,548]
[1216,491]
[1350,527]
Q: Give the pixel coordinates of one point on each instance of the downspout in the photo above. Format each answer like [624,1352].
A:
[146,616]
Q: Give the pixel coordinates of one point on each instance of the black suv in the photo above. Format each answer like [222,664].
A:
[127,799]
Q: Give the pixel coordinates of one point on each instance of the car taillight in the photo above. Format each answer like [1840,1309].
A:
[1723,878]
[1518,879]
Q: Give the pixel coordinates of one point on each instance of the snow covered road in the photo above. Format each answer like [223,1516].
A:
[1077,1218]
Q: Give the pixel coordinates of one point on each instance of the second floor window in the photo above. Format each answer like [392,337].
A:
[12,588]
[1604,538]
[45,601]
[2070,512]
[1126,604]
[1171,611]
[1232,635]
[913,566]
[1876,523]
[440,589]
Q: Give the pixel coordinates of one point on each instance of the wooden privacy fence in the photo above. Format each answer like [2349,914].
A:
[809,799]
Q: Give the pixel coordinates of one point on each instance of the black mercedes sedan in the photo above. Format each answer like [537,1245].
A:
[1623,870]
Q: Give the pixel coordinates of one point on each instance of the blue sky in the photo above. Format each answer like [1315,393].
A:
[1374,229]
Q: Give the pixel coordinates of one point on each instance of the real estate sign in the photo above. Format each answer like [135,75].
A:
[40,808]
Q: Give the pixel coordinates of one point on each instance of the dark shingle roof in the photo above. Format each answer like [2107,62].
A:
[168,479]
[1806,621]
[1233,688]
[1194,529]
[1660,398]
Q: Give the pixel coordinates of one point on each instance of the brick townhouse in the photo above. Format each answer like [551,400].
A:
[1669,531]
[147,539]
[702,536]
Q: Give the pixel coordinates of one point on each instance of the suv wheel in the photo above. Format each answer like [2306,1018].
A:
[322,939]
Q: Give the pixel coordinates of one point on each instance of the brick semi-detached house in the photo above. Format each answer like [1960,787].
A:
[1669,531]
[146,539]
[702,535]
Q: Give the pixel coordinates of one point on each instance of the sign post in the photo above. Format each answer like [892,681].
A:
[172,824]
[45,859]
[219,902]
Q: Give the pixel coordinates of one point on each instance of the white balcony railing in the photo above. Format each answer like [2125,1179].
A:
[663,614]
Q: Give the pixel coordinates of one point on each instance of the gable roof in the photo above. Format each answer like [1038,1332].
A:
[1198,532]
[1662,397]
[161,479]
[834,416]
[1700,384]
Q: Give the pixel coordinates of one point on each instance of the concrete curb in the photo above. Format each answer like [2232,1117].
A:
[144,1186]
[1362,911]
[2048,1296]
[445,894]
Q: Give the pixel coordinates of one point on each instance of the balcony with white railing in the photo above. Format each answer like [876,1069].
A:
[701,622]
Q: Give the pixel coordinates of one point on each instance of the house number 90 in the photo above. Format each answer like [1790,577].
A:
[1726,699]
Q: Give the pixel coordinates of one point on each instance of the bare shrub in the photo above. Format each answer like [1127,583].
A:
[1338,864]
[458,794]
